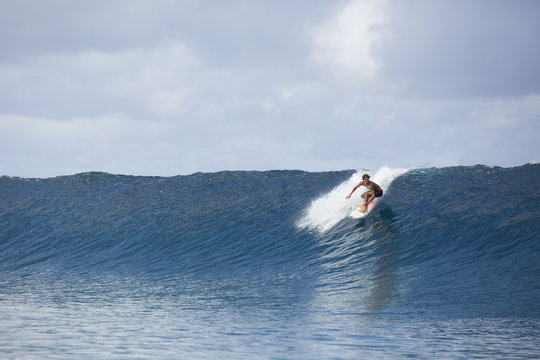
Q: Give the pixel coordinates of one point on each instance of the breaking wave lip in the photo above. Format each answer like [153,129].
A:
[329,209]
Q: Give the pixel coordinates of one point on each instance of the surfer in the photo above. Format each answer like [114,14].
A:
[375,191]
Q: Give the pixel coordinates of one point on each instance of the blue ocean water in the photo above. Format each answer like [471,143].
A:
[267,265]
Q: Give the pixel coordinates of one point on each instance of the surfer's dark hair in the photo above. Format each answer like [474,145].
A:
[365,176]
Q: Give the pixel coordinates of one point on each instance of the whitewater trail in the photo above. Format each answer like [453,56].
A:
[332,207]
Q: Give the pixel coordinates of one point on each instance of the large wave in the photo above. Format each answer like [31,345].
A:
[441,238]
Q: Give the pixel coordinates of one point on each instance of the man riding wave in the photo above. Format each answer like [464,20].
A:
[375,191]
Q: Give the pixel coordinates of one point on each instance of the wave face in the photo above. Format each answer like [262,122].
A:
[198,223]
[442,243]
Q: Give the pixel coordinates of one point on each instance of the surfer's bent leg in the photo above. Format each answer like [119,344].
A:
[368,196]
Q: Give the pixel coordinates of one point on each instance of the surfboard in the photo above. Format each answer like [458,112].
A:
[358,214]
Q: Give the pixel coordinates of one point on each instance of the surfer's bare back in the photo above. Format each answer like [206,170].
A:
[375,191]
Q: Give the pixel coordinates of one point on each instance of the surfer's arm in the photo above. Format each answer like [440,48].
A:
[354,189]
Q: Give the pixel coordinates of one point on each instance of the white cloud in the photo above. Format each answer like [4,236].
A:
[287,92]
[344,42]
[157,80]
[31,146]
[503,115]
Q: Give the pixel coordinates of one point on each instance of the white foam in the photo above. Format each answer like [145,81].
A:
[329,209]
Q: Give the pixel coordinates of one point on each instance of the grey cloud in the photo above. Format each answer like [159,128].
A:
[461,49]
[228,32]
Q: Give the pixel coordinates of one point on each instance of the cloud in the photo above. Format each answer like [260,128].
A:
[447,49]
[155,81]
[114,143]
[344,42]
[166,87]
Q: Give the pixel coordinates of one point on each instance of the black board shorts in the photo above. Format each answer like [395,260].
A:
[378,194]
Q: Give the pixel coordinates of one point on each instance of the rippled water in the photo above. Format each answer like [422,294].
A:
[267,265]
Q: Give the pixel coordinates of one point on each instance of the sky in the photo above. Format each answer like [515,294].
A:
[173,87]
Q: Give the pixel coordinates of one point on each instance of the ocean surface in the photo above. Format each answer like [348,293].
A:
[267,265]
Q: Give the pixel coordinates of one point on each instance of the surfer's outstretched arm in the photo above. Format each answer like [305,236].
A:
[354,189]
